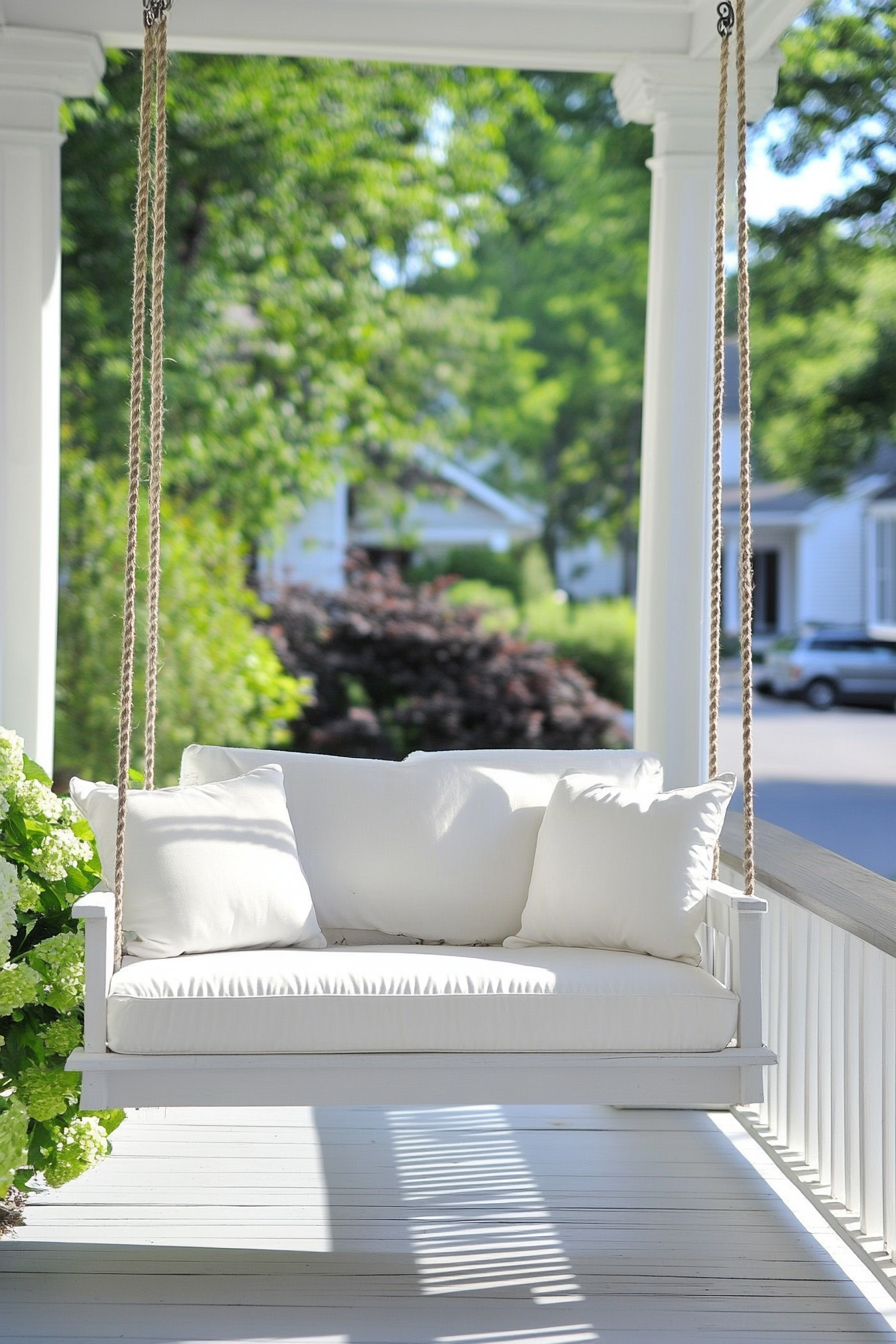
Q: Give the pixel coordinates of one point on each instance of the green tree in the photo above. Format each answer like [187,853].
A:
[572,264]
[220,678]
[295,186]
[824,286]
[301,195]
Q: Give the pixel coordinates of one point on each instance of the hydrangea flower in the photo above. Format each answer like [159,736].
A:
[19,984]
[58,852]
[82,1143]
[40,1130]
[46,1093]
[13,1142]
[69,814]
[29,895]
[61,960]
[12,759]
[37,801]
[62,1036]
[9,899]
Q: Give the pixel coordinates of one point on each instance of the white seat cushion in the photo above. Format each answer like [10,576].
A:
[438,847]
[347,999]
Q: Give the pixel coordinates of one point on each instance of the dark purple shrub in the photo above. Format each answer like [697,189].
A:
[398,669]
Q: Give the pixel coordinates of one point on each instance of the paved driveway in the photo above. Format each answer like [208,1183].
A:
[829,777]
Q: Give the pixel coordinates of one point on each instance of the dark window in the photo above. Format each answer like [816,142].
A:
[766,566]
[830,644]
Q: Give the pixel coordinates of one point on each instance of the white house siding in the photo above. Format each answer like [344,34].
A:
[591,571]
[434,525]
[881,566]
[313,550]
[831,562]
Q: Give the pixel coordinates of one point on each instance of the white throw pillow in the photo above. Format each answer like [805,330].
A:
[438,847]
[207,869]
[621,869]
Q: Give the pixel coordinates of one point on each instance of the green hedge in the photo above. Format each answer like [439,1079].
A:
[599,636]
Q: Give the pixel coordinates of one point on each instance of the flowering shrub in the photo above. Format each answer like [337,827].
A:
[47,859]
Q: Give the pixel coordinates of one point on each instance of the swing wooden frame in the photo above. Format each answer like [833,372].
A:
[731,938]
[731,933]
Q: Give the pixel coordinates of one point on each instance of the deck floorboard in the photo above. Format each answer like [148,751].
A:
[477,1225]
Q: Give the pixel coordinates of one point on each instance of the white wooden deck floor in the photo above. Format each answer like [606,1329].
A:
[465,1226]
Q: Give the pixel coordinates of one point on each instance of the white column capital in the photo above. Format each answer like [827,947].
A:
[38,68]
[679,96]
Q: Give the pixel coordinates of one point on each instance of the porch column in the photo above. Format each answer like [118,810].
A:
[679,97]
[37,70]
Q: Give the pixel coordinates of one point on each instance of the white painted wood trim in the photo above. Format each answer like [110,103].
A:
[721,1078]
[739,916]
[725,1077]
[98,912]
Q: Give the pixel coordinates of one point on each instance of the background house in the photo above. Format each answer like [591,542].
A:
[817,558]
[433,507]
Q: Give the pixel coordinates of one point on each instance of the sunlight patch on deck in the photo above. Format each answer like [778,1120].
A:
[483,1222]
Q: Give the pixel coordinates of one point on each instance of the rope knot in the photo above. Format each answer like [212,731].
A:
[725,25]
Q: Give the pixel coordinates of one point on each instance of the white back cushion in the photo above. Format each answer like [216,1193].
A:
[438,847]
[627,769]
[207,868]
[624,870]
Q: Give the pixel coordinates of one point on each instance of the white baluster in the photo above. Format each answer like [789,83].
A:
[871,1093]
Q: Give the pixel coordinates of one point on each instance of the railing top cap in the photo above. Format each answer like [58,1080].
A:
[843,893]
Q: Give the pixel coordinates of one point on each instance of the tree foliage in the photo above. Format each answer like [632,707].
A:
[824,285]
[572,264]
[295,188]
[220,678]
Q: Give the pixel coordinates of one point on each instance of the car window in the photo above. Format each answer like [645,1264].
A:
[831,644]
[886,646]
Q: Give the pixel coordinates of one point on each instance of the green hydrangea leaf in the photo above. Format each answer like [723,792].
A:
[32,770]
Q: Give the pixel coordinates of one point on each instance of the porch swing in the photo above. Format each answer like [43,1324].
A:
[444,973]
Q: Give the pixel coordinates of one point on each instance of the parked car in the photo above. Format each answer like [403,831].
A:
[831,665]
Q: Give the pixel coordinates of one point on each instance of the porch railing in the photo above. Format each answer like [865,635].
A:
[829,992]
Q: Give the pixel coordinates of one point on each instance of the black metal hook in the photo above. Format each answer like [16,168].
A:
[725,24]
[154,11]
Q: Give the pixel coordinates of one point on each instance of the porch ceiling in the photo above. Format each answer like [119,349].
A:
[534,34]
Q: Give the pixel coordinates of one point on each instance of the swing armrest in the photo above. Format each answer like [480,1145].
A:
[738,917]
[98,912]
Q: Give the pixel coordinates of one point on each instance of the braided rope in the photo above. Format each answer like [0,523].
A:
[129,632]
[157,406]
[746,417]
[715,621]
